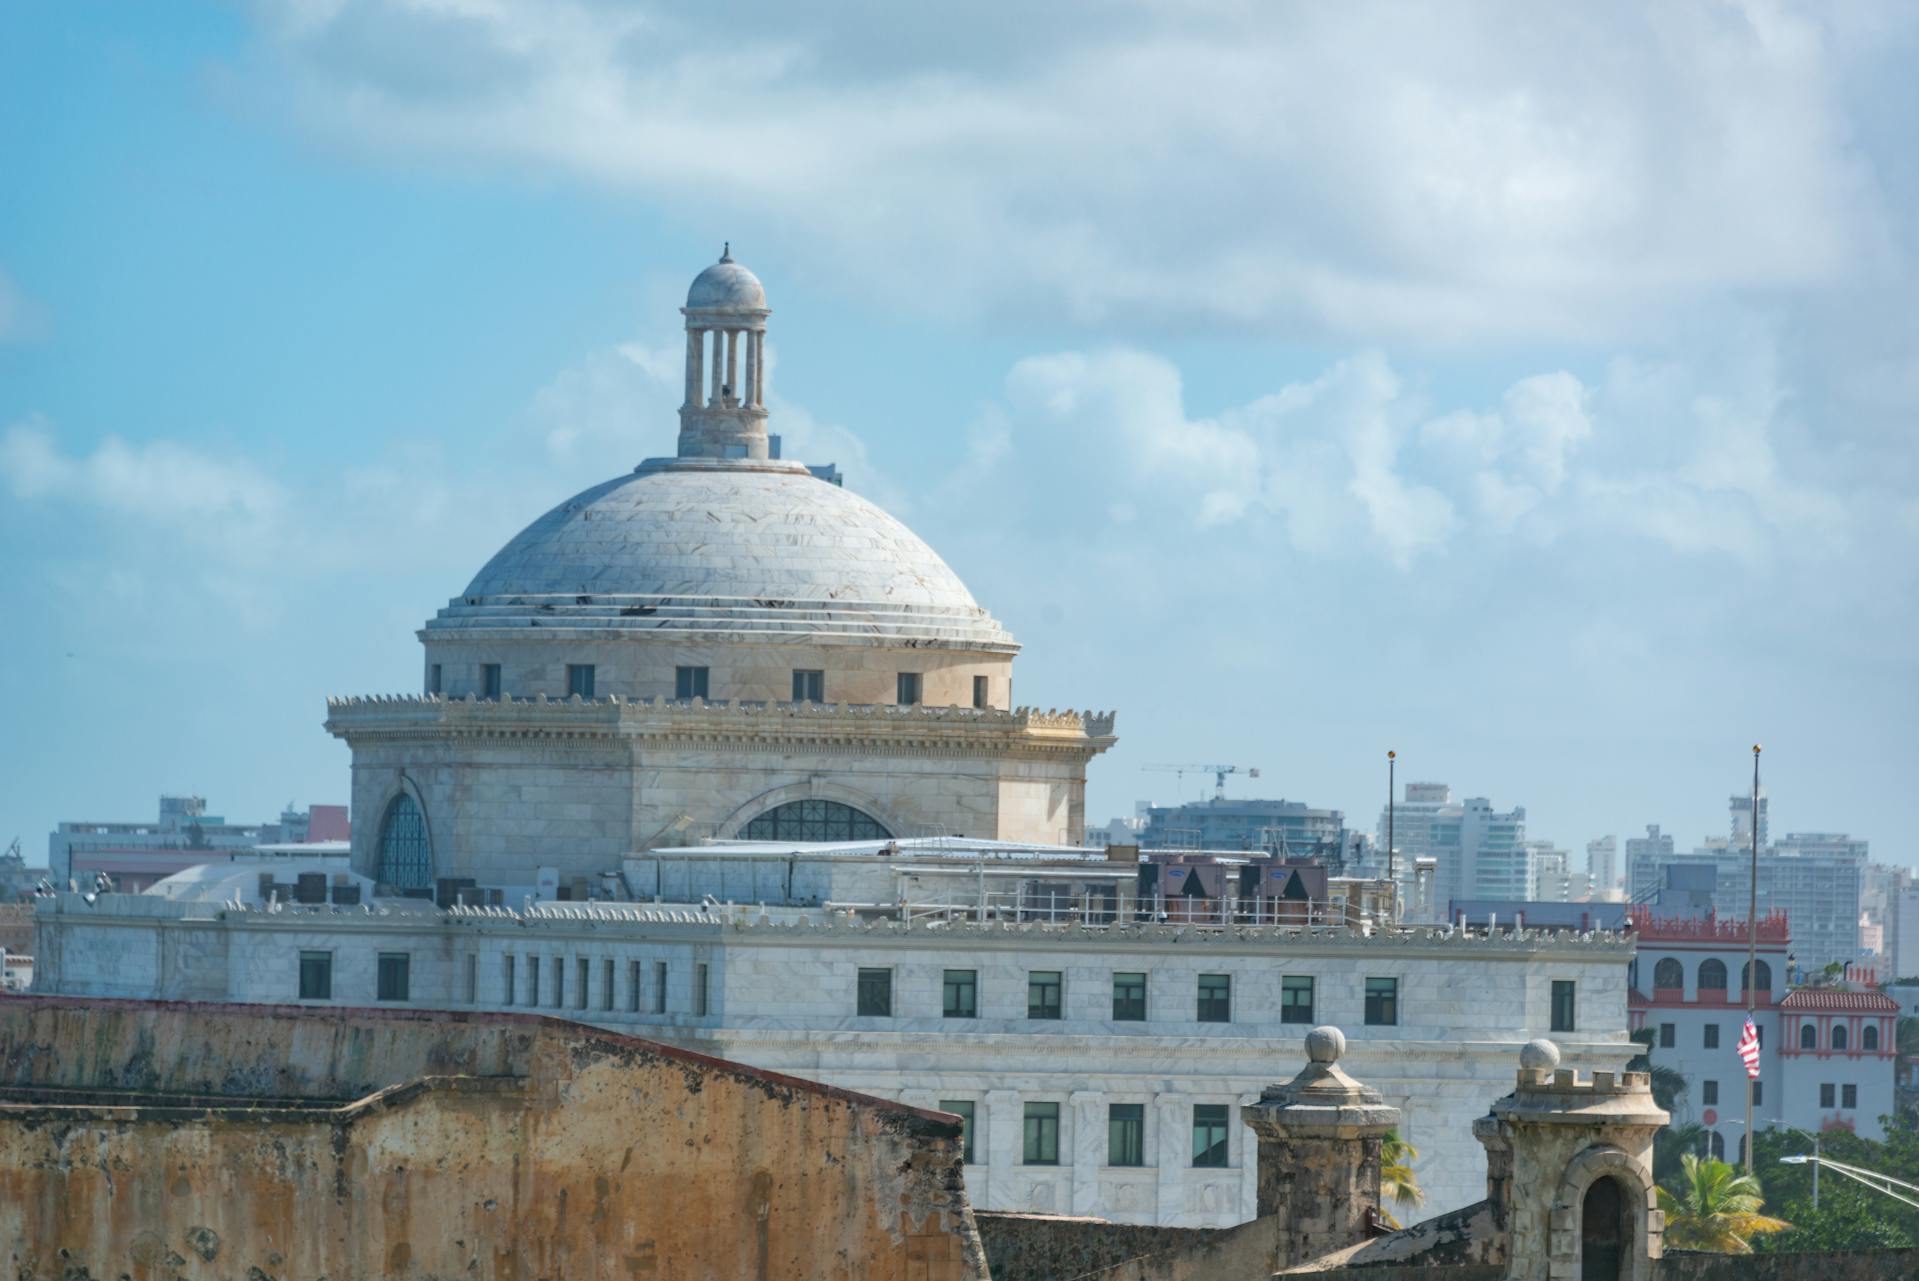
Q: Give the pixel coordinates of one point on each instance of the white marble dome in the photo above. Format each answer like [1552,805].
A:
[724,551]
[726,286]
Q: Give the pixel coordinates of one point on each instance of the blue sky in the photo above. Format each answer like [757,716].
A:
[1532,392]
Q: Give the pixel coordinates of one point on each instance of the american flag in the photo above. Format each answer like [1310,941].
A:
[1749,1049]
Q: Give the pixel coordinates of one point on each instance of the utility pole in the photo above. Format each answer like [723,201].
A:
[1752,947]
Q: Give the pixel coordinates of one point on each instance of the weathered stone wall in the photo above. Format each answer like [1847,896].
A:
[155,1140]
[1048,1247]
[1837,1265]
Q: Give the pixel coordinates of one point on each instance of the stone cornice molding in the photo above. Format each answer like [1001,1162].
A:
[872,728]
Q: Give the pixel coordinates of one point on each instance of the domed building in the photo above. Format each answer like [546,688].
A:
[717,644]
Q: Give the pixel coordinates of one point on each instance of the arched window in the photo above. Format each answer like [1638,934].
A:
[1712,974]
[1668,973]
[405,862]
[814,821]
[1718,1145]
[1760,970]
[1808,1037]
[1839,1036]
[1869,1037]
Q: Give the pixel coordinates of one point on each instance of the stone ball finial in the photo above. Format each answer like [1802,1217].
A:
[1539,1055]
[1325,1044]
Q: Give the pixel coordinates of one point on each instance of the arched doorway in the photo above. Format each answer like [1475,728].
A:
[814,820]
[406,862]
[1603,1231]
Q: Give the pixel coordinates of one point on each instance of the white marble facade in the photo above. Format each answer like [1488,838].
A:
[778,989]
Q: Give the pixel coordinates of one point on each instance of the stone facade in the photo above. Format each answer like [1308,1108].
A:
[150,1140]
[779,988]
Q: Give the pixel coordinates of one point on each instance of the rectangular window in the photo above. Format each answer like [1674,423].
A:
[473,978]
[584,974]
[633,973]
[980,692]
[1129,998]
[1848,1096]
[960,994]
[875,994]
[1042,1134]
[1209,1135]
[689,682]
[490,680]
[963,1109]
[509,982]
[1126,1134]
[606,984]
[1043,994]
[579,680]
[1712,1036]
[533,980]
[809,687]
[433,678]
[316,976]
[909,689]
[1827,1095]
[1668,1036]
[559,983]
[1215,998]
[1562,1005]
[1758,1093]
[1296,999]
[659,987]
[1382,1002]
[394,980]
[1709,1092]
[699,990]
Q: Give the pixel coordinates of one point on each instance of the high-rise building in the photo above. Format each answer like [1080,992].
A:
[1285,828]
[1552,873]
[1602,866]
[1740,809]
[1478,852]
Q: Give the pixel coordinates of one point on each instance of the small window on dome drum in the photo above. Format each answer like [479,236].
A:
[490,681]
[979,691]
[433,679]
[809,687]
[909,689]
[689,682]
[579,680]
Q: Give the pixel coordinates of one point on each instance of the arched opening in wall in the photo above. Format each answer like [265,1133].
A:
[1669,973]
[1716,1145]
[814,821]
[1712,975]
[1808,1037]
[1869,1037]
[1759,971]
[406,864]
[1839,1036]
[1604,1231]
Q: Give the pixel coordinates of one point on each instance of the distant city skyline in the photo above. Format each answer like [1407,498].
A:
[1551,429]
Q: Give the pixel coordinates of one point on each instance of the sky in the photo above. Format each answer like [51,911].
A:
[1528,389]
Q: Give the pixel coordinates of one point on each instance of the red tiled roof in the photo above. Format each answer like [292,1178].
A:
[1826,998]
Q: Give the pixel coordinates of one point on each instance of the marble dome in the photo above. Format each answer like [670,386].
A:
[724,552]
[726,285]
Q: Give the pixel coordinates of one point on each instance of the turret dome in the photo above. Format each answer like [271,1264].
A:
[726,286]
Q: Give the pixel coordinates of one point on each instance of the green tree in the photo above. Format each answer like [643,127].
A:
[1843,1221]
[1671,1143]
[1715,1208]
[1667,1083]
[1396,1178]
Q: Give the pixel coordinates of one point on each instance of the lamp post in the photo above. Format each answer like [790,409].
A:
[1752,940]
[1815,1162]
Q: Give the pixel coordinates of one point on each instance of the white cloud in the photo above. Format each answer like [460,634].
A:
[1446,174]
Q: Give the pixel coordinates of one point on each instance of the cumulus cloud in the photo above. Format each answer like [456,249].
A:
[1369,169]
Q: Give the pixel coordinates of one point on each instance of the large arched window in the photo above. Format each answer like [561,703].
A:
[1869,1037]
[1668,973]
[1762,971]
[1808,1037]
[1712,974]
[405,862]
[814,821]
[1839,1036]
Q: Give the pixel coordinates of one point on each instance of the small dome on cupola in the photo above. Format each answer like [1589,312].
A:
[726,286]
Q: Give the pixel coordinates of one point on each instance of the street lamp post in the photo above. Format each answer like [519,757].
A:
[1815,1162]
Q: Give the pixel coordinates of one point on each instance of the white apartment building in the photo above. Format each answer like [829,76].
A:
[1602,866]
[1827,1054]
[1478,852]
[1815,879]
[1102,1059]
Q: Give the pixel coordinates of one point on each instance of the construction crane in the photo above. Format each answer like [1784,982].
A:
[1219,773]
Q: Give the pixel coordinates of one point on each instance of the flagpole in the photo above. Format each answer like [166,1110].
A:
[1392,865]
[1752,943]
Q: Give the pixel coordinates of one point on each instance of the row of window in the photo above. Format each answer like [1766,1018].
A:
[809,685]
[524,982]
[1125,1133]
[1670,974]
[1847,1096]
[1838,1039]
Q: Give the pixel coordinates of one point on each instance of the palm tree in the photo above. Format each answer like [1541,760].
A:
[1716,1208]
[1396,1178]
[1667,1083]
